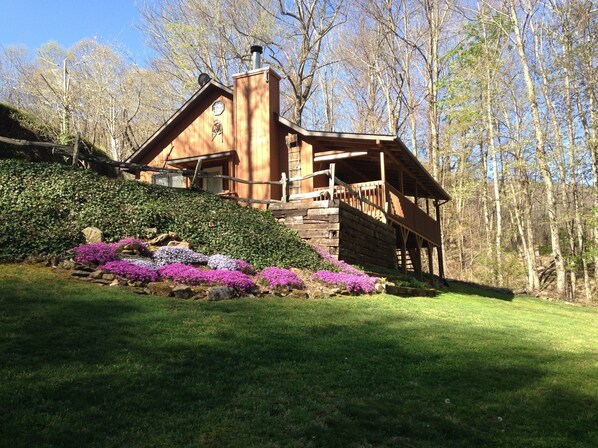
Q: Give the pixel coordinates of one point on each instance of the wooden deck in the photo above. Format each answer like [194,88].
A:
[400,210]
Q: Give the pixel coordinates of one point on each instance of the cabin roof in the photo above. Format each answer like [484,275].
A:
[177,117]
[391,145]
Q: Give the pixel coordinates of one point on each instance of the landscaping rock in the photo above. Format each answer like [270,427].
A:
[79,273]
[108,277]
[140,291]
[93,235]
[150,232]
[164,239]
[200,293]
[159,289]
[100,281]
[183,292]
[299,294]
[184,244]
[67,264]
[83,267]
[97,275]
[221,293]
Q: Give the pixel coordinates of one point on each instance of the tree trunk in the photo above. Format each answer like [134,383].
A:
[541,155]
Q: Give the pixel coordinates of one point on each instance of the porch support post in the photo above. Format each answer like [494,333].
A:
[420,271]
[439,247]
[431,262]
[382,168]
[404,236]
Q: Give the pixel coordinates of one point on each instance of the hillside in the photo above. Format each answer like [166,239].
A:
[44,207]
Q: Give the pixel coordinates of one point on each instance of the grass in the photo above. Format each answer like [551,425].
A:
[87,366]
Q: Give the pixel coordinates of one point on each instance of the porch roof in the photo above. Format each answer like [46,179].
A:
[415,178]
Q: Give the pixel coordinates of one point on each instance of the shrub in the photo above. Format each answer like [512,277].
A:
[222,262]
[96,253]
[353,283]
[278,278]
[44,207]
[176,254]
[127,270]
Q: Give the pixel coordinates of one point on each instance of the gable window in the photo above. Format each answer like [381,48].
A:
[173,180]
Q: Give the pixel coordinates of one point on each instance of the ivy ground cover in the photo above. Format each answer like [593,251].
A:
[95,367]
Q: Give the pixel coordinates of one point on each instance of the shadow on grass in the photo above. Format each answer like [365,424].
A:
[130,371]
[476,289]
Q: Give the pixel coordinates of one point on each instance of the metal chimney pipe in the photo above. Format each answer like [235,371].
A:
[256,59]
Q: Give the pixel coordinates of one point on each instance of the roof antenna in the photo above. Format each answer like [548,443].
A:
[203,79]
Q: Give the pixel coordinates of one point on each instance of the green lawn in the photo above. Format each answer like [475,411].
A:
[84,366]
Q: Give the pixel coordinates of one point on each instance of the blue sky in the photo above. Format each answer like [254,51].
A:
[35,22]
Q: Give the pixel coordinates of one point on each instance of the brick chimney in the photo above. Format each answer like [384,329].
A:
[256,97]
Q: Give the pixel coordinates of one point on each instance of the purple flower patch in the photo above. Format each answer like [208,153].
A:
[245,267]
[222,262]
[181,273]
[339,264]
[180,255]
[142,262]
[96,253]
[279,278]
[130,271]
[193,276]
[355,284]
[233,279]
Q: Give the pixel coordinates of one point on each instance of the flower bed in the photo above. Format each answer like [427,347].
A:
[190,275]
[355,284]
[279,278]
[96,253]
[130,271]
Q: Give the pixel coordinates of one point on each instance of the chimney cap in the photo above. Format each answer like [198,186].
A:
[257,49]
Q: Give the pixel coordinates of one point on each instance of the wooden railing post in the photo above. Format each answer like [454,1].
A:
[285,186]
[76,150]
[332,180]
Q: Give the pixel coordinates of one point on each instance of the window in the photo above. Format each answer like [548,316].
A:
[212,184]
[174,180]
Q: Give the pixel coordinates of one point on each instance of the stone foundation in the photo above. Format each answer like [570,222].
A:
[347,233]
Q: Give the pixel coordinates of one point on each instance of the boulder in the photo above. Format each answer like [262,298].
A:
[183,292]
[93,235]
[80,274]
[221,293]
[159,289]
[96,275]
[184,244]
[164,239]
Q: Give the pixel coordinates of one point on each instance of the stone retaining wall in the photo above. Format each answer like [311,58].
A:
[347,233]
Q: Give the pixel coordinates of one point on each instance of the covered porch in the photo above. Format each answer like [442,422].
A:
[378,175]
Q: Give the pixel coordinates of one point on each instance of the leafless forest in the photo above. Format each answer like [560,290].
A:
[497,98]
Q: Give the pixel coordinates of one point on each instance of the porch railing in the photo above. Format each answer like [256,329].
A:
[380,200]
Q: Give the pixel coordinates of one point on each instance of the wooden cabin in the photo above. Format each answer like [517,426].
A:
[372,203]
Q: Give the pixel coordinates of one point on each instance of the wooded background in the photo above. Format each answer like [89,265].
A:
[496,98]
